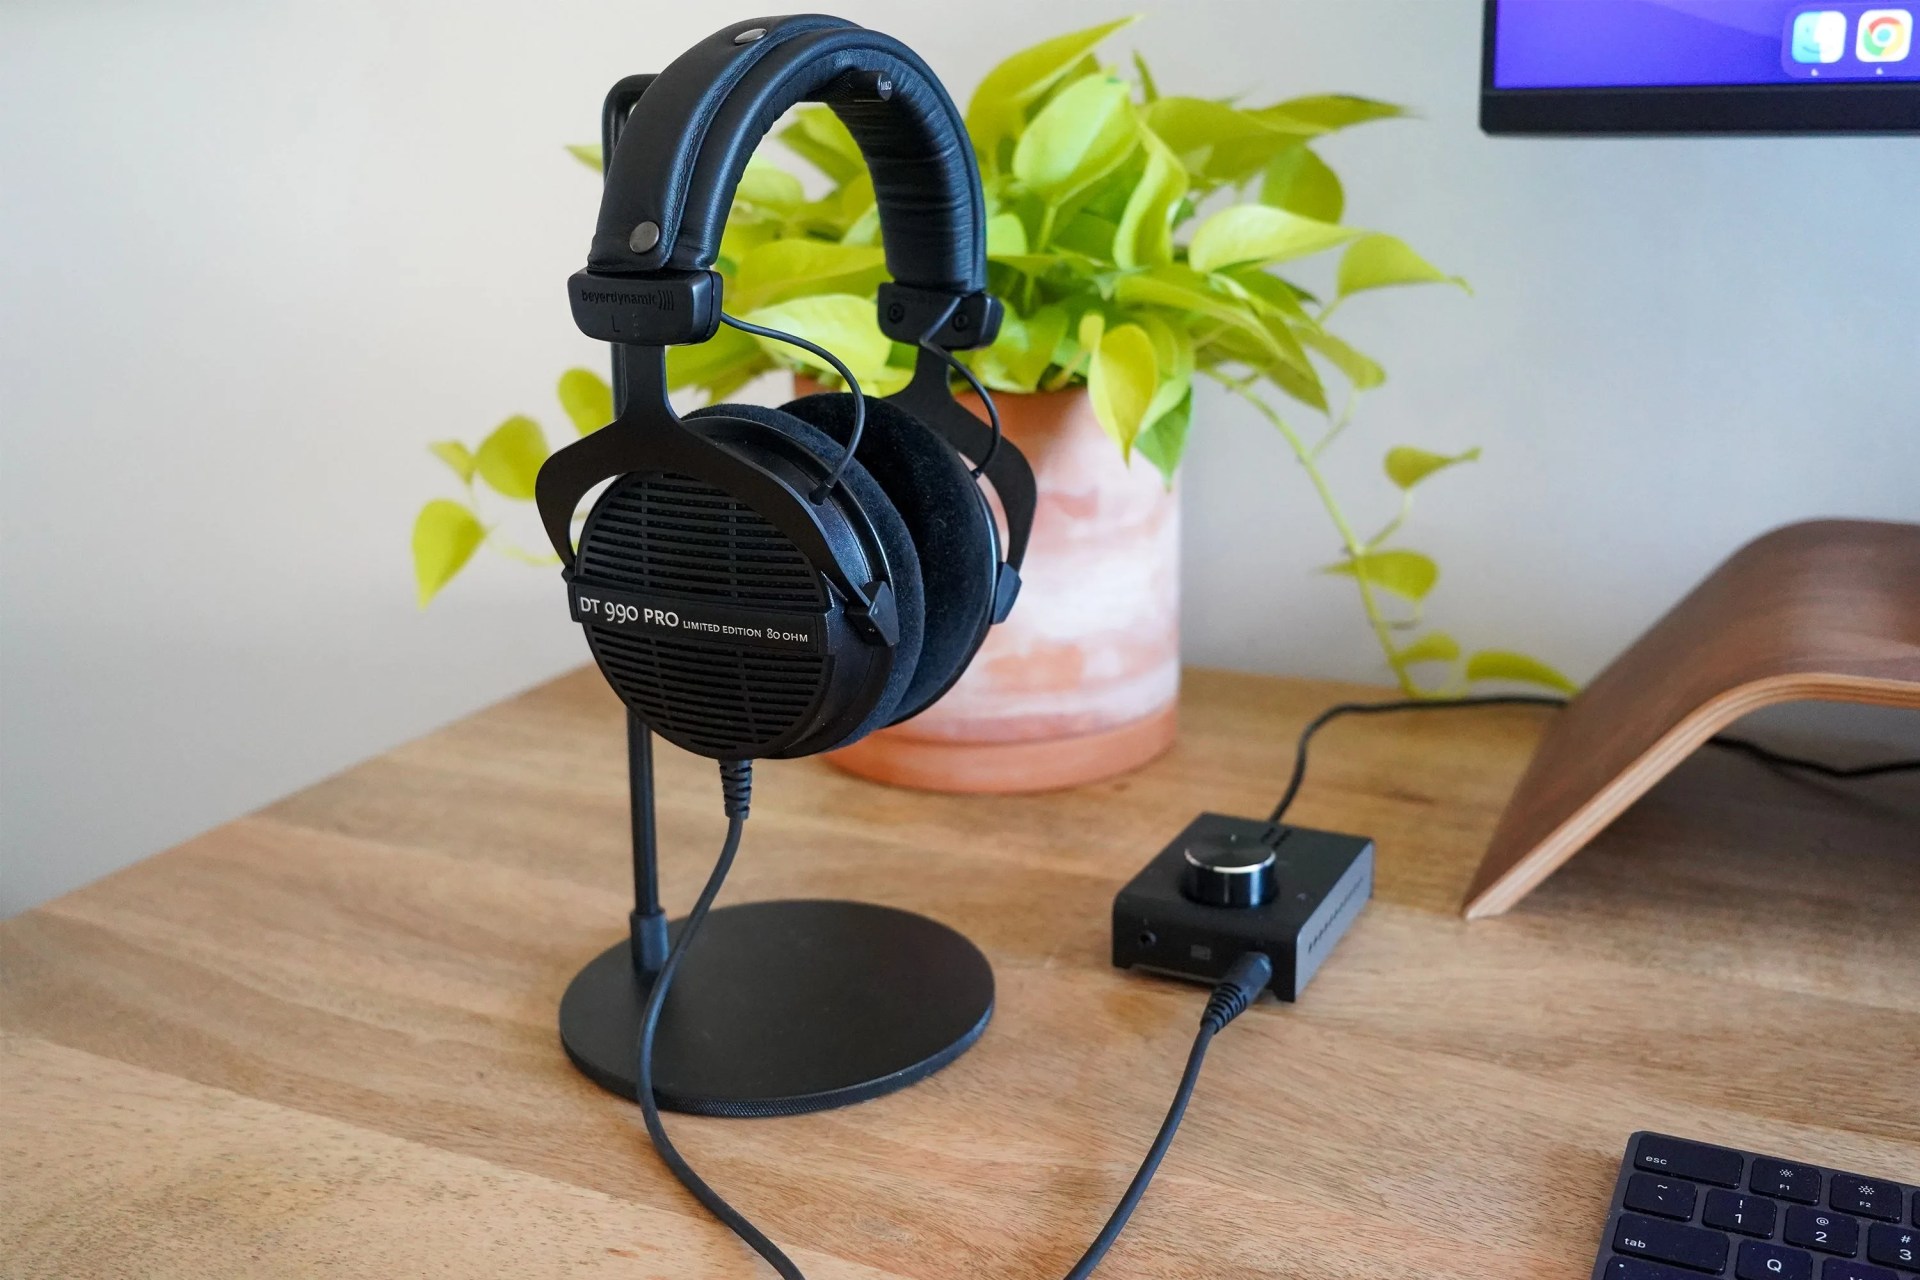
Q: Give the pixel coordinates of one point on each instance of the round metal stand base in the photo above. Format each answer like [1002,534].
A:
[782,1008]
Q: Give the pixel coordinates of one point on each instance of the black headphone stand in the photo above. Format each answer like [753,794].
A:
[780,1008]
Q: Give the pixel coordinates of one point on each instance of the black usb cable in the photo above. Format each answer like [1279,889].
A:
[1727,741]
[1244,982]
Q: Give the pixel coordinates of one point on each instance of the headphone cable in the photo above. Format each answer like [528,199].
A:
[1245,980]
[819,495]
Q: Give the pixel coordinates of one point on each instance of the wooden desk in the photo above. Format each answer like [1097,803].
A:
[320,1040]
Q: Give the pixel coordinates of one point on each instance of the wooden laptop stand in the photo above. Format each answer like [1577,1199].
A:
[1826,610]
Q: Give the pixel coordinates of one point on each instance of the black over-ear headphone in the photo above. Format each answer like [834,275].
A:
[775,582]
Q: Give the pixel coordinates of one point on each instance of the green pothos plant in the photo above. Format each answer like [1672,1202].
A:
[1140,242]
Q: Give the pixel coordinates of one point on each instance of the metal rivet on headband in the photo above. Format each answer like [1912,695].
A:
[750,35]
[644,237]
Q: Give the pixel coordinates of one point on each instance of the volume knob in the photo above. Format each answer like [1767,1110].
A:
[1229,872]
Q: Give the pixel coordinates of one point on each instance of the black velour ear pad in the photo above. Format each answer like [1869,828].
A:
[943,509]
[895,541]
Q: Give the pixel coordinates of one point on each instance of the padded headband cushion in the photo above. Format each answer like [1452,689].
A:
[688,139]
[895,542]
[947,517]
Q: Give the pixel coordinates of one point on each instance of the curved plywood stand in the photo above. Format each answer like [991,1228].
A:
[1827,610]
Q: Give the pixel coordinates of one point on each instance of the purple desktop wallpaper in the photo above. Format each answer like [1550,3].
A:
[1557,44]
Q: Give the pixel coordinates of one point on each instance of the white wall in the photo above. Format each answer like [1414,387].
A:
[256,256]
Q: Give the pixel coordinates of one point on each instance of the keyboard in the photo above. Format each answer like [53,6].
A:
[1683,1210]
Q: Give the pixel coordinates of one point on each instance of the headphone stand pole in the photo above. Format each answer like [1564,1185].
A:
[647,925]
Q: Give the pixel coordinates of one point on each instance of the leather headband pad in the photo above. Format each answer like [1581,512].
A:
[690,135]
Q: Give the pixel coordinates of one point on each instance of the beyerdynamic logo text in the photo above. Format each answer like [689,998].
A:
[658,299]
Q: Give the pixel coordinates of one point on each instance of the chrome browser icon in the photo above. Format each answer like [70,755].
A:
[1886,35]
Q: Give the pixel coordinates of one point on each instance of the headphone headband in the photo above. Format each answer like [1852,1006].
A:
[692,131]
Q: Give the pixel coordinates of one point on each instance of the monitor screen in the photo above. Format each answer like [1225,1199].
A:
[1636,66]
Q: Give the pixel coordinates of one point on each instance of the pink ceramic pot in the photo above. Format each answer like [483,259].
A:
[1081,682]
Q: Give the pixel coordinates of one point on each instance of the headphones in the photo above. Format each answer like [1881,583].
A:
[763,582]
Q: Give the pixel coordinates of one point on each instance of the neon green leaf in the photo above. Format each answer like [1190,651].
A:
[1299,181]
[818,137]
[1216,142]
[1435,646]
[1360,369]
[510,457]
[1182,289]
[1144,236]
[1274,295]
[445,536]
[1496,664]
[1023,350]
[1326,112]
[1149,91]
[1083,133]
[1006,235]
[782,269]
[1257,233]
[587,399]
[586,155]
[1405,573]
[455,455]
[1121,382]
[1173,357]
[1378,261]
[1407,466]
[767,186]
[999,105]
[1165,439]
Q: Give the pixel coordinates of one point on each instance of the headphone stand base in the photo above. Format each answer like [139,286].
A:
[786,1007]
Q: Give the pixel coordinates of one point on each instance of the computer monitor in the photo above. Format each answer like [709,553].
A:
[1700,66]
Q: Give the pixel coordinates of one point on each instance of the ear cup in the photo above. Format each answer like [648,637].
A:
[947,516]
[890,531]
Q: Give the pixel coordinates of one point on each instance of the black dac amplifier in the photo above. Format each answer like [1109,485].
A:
[1226,886]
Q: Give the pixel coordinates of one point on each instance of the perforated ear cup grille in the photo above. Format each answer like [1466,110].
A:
[671,534]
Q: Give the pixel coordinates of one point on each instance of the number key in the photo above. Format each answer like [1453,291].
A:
[1876,1199]
[1827,1232]
[1895,1246]
[1663,1196]
[1749,1215]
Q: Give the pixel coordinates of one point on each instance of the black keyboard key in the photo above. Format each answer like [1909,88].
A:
[1822,1230]
[1639,1269]
[1845,1269]
[1665,1197]
[1894,1246]
[1694,1160]
[1771,1262]
[1668,1242]
[1786,1180]
[1749,1215]
[1874,1197]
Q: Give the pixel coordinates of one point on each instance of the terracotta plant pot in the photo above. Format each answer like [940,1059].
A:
[1081,682]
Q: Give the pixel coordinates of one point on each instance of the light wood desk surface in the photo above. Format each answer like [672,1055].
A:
[320,1040]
